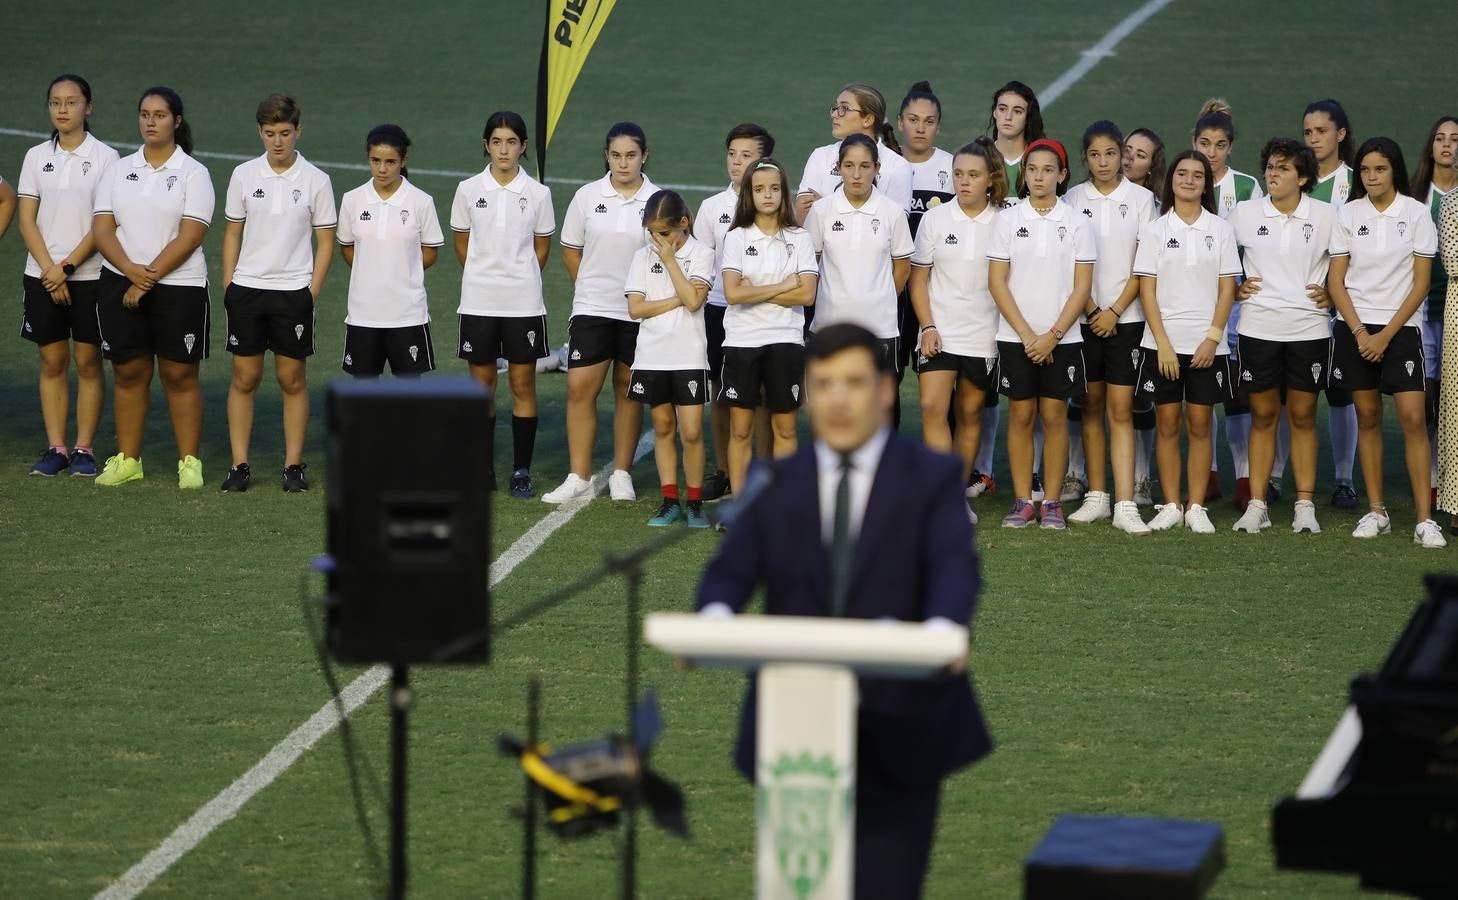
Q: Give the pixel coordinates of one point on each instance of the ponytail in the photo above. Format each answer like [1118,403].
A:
[873,104]
[888,137]
[182,134]
[389,135]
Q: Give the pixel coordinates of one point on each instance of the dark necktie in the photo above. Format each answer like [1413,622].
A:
[840,542]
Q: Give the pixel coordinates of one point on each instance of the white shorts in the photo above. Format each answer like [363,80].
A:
[1432,350]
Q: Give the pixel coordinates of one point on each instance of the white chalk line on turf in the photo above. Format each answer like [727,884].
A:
[361,167]
[1098,52]
[287,751]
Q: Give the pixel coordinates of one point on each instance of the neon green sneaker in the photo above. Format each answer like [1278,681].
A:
[189,473]
[119,470]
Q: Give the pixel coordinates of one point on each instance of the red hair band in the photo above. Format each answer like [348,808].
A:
[1048,144]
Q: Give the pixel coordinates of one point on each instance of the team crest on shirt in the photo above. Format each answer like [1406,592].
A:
[1172,244]
[951,240]
[481,203]
[795,392]
[1062,233]
[789,249]
[531,338]
[1401,229]
[751,251]
[521,203]
[1209,242]
[837,226]
[297,195]
[414,352]
[1316,371]
[1123,210]
[86,168]
[404,216]
[942,177]
[657,268]
[48,167]
[693,387]
[188,340]
[132,176]
[1363,231]
[298,332]
[467,348]
[171,180]
[723,218]
[1263,231]
[258,194]
[601,208]
[731,393]
[365,216]
[875,226]
[1306,231]
[1022,232]
[638,387]
[1409,366]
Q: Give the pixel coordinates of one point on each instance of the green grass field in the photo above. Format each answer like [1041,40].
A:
[154,644]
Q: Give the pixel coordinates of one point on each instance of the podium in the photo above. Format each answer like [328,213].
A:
[805,759]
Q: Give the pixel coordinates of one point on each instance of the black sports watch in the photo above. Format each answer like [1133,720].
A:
[68,268]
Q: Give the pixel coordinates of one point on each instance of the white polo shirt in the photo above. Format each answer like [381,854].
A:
[1187,263]
[1115,221]
[856,248]
[280,211]
[1286,253]
[673,341]
[387,279]
[501,276]
[760,259]
[954,246]
[710,225]
[1381,247]
[821,177]
[608,229]
[149,204]
[1041,253]
[65,183]
[931,186]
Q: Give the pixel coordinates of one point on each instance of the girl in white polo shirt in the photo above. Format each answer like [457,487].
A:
[666,287]
[956,315]
[1328,132]
[389,235]
[864,246]
[601,230]
[502,224]
[1285,331]
[1187,265]
[859,109]
[276,204]
[769,276]
[1014,121]
[152,212]
[58,184]
[1115,210]
[1040,273]
[1382,250]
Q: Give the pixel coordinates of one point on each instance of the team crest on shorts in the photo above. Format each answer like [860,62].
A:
[795,392]
[1316,371]
[414,353]
[532,338]
[188,340]
[467,348]
[1134,358]
[1123,210]
[297,195]
[990,362]
[693,387]
[348,360]
[298,332]
[404,216]
[1071,370]
[1409,364]
[1220,380]
[171,180]
[86,168]
[1209,242]
[232,340]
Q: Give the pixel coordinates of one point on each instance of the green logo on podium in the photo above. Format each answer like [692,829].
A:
[806,806]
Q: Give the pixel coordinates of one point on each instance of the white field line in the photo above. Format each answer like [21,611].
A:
[287,751]
[361,167]
[1095,54]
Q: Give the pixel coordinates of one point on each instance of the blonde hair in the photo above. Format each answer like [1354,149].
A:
[873,104]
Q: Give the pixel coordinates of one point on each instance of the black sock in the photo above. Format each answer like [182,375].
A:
[523,441]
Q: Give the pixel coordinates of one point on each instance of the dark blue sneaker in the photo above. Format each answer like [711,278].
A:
[51,464]
[1344,497]
[237,481]
[521,485]
[83,464]
[294,481]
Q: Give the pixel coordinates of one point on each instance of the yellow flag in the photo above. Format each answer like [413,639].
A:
[572,28]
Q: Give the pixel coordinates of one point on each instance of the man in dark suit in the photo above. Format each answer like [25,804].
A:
[866,525]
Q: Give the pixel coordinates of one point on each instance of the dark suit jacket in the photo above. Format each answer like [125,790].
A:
[914,559]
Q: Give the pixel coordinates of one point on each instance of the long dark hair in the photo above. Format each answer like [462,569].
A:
[1422,177]
[1207,198]
[85,87]
[1338,116]
[1393,154]
[388,135]
[1154,178]
[182,134]
[744,211]
[1032,125]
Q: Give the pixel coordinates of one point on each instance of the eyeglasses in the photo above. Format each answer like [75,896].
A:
[68,103]
[840,112]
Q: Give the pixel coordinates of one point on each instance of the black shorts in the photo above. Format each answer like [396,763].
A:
[774,374]
[890,353]
[1295,365]
[980,370]
[517,339]
[1021,379]
[1203,387]
[171,321]
[1400,370]
[714,332]
[595,339]
[407,349]
[910,331]
[684,387]
[47,321]
[259,320]
[1113,360]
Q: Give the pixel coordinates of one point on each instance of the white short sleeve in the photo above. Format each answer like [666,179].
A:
[460,212]
[637,280]
[926,241]
[1229,255]
[1341,231]
[1146,257]
[901,245]
[1425,237]
[574,225]
[701,266]
[1000,246]
[344,234]
[199,201]
[1085,249]
[546,222]
[703,226]
[235,207]
[29,184]
[430,233]
[805,262]
[733,250]
[102,201]
[325,214]
[812,227]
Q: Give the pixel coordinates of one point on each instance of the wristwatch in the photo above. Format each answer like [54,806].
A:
[1057,333]
[68,268]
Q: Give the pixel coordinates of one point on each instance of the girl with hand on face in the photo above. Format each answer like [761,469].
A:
[58,184]
[1382,250]
[388,235]
[601,230]
[667,284]
[1187,265]
[1434,178]
[502,224]
[1145,166]
[151,215]
[1040,273]
[769,276]
[859,109]
[957,316]
[1014,121]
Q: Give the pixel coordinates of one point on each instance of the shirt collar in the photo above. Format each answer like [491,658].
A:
[88,143]
[864,458]
[1056,214]
[139,159]
[1119,194]
[292,173]
[1393,210]
[516,185]
[645,190]
[989,212]
[1302,211]
[396,199]
[1205,222]
[843,204]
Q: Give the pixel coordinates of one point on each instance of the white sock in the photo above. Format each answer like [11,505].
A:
[1283,447]
[1237,435]
[1037,447]
[991,415]
[1214,439]
[1143,450]
[1341,424]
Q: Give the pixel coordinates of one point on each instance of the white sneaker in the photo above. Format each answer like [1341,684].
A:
[1075,487]
[575,487]
[1255,519]
[1144,492]
[1371,525]
[1126,518]
[1429,534]
[971,514]
[1305,518]
[620,485]
[1095,506]
[1167,516]
[1197,520]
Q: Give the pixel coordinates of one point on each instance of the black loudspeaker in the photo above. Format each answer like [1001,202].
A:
[408,491]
